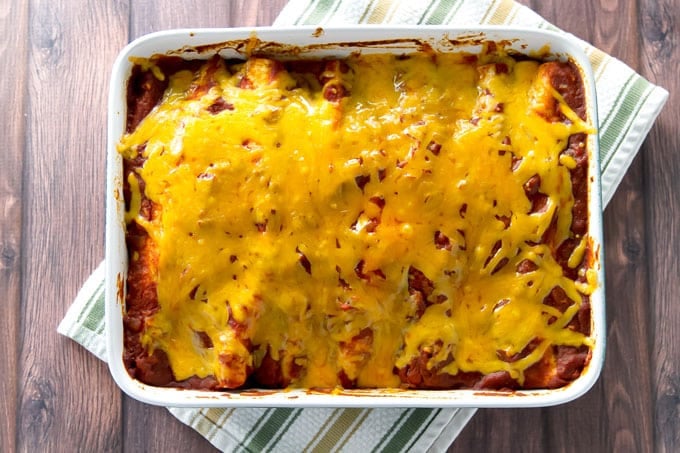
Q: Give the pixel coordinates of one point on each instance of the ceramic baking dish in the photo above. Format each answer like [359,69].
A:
[337,42]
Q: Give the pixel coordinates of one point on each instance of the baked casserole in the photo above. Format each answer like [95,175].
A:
[377,221]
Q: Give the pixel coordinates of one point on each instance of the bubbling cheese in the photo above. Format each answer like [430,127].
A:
[342,223]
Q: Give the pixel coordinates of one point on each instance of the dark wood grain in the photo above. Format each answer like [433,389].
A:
[12,95]
[627,389]
[54,396]
[62,390]
[661,61]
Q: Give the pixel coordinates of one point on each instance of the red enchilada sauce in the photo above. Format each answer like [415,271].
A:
[430,368]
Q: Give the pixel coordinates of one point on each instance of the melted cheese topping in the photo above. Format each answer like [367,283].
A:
[289,223]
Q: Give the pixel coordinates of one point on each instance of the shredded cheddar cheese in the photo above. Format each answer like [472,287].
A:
[296,219]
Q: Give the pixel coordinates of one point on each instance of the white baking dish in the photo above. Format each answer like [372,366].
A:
[310,42]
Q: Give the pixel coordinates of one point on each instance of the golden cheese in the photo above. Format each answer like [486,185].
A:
[299,218]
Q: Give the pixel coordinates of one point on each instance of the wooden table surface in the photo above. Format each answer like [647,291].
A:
[54,396]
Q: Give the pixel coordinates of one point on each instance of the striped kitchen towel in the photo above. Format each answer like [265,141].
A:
[627,104]
[279,429]
[627,107]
